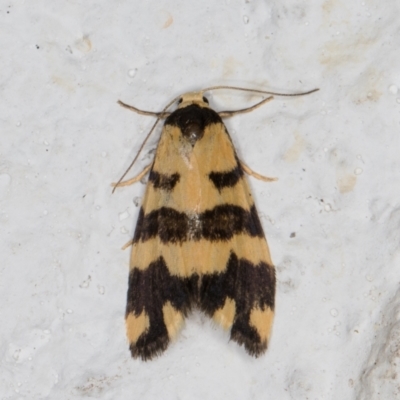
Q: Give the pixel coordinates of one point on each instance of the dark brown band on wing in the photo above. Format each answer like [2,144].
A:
[220,223]
[222,180]
[163,181]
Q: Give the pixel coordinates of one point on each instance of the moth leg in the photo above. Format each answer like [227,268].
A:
[249,171]
[135,179]
[127,244]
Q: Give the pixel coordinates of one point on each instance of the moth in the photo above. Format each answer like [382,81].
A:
[198,241]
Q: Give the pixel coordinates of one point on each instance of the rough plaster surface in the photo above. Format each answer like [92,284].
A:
[332,220]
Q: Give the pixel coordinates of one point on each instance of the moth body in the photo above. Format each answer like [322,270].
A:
[198,240]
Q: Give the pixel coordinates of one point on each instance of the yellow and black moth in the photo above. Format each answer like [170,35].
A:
[198,239]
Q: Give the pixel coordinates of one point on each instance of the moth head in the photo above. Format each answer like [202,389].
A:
[193,98]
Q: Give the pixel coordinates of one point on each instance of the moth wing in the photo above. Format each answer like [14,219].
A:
[160,292]
[240,294]
[238,278]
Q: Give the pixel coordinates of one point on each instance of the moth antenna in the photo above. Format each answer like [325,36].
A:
[143,112]
[160,115]
[259,91]
[225,114]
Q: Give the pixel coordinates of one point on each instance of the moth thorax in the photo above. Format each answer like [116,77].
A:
[192,131]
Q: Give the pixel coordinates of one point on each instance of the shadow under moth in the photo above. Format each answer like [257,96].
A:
[198,241]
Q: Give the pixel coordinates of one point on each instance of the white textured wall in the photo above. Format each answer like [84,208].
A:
[63,278]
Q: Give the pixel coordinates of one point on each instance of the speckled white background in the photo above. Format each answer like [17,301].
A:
[63,277]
